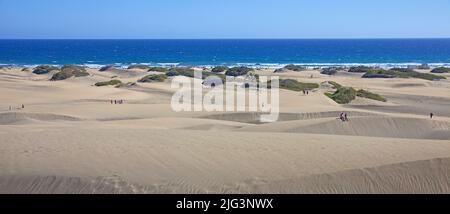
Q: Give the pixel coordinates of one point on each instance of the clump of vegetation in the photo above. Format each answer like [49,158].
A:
[370,95]
[187,72]
[126,85]
[153,78]
[329,71]
[280,70]
[106,68]
[363,69]
[401,73]
[343,95]
[25,69]
[404,70]
[44,69]
[294,85]
[238,71]
[441,70]
[139,66]
[158,69]
[108,83]
[179,71]
[294,67]
[69,71]
[219,69]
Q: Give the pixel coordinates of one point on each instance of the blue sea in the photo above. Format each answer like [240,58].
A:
[263,53]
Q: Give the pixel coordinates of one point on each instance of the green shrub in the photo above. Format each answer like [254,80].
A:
[329,71]
[69,71]
[126,85]
[363,69]
[187,72]
[153,78]
[370,95]
[106,68]
[401,73]
[280,70]
[139,66]
[238,71]
[441,70]
[294,85]
[294,67]
[158,69]
[343,95]
[404,70]
[107,83]
[44,69]
[219,69]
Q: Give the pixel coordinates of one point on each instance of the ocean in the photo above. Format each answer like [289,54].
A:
[262,53]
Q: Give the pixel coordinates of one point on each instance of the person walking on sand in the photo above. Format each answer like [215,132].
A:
[345,117]
[23,106]
[431,115]
[341,116]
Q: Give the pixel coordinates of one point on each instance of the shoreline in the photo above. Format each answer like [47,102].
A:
[251,65]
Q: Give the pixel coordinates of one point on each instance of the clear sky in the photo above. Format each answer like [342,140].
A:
[171,19]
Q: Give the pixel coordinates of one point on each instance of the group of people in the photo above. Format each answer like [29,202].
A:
[344,117]
[117,102]
[21,107]
[305,92]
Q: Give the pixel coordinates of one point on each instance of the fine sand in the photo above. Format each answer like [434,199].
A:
[70,139]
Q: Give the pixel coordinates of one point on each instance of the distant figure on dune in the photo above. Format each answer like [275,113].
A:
[343,117]
[10,108]
[23,106]
[431,115]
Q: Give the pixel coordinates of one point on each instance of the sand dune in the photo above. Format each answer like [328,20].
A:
[14,118]
[71,139]
[254,118]
[364,126]
[419,177]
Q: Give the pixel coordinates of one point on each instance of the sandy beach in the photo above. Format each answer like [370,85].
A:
[69,138]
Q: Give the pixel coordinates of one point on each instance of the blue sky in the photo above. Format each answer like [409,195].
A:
[194,19]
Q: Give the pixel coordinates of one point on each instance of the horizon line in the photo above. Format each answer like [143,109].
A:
[342,38]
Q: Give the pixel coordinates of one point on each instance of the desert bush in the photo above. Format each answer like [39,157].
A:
[153,78]
[238,71]
[295,67]
[441,70]
[219,69]
[294,85]
[68,71]
[343,95]
[158,69]
[107,83]
[44,69]
[329,71]
[401,73]
[139,66]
